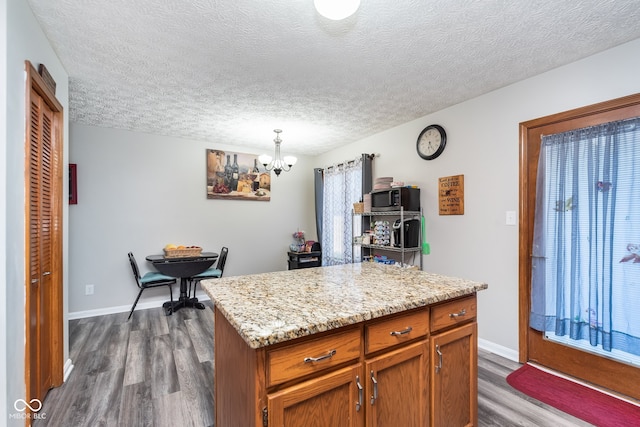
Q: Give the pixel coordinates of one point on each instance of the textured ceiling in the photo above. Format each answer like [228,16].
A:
[232,71]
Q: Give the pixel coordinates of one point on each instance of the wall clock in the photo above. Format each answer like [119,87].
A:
[431,142]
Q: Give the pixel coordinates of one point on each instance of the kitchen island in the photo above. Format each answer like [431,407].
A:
[350,345]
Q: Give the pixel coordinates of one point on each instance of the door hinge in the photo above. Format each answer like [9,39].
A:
[265,417]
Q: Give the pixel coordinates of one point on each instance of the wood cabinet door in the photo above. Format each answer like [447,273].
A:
[397,387]
[43,191]
[331,400]
[454,377]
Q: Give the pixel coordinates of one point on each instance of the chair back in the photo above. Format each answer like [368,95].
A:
[134,268]
[222,259]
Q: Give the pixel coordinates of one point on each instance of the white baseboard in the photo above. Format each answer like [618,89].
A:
[151,303]
[68,367]
[498,349]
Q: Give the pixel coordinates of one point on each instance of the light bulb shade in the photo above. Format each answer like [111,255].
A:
[290,160]
[336,9]
[264,159]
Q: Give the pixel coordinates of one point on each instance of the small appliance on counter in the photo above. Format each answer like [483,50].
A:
[392,200]
[411,229]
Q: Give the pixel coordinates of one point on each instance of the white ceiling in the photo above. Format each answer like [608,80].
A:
[232,71]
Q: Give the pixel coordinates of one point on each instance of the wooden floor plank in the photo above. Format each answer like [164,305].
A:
[178,331]
[100,333]
[136,406]
[137,365]
[79,336]
[106,399]
[194,390]
[201,338]
[164,377]
[206,372]
[67,405]
[114,355]
[158,322]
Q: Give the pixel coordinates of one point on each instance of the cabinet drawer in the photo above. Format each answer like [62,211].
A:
[396,330]
[453,313]
[297,360]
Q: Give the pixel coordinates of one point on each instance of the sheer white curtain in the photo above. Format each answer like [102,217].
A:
[342,188]
[586,254]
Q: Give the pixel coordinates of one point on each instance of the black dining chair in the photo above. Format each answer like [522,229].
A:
[210,273]
[151,279]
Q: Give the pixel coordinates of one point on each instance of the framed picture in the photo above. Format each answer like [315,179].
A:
[73,184]
[237,176]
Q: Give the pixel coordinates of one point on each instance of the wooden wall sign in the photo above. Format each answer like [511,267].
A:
[451,195]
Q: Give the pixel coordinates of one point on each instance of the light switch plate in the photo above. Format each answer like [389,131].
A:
[511,218]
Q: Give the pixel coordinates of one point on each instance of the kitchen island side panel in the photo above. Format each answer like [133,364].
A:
[237,382]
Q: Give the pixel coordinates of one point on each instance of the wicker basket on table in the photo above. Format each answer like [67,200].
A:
[358,208]
[182,253]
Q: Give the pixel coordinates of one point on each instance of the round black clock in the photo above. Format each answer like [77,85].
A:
[431,142]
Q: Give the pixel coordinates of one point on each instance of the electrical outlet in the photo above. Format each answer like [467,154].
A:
[88,290]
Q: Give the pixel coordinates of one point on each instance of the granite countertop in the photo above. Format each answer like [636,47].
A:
[269,308]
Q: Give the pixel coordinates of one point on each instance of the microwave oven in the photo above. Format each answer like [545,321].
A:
[395,198]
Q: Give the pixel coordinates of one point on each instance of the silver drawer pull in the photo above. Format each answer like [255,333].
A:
[360,393]
[406,331]
[46,273]
[374,396]
[462,312]
[318,359]
[439,365]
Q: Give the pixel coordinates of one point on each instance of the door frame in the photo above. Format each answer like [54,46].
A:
[55,315]
[610,374]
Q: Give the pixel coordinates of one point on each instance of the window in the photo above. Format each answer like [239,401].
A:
[337,188]
[342,188]
[586,243]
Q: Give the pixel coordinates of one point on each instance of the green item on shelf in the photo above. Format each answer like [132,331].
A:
[426,249]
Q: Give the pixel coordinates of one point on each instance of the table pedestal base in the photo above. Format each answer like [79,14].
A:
[182,303]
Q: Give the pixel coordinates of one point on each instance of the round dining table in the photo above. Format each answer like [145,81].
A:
[183,268]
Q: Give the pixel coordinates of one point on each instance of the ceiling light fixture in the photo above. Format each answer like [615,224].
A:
[336,9]
[278,164]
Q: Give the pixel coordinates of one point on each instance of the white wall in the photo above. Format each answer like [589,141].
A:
[139,192]
[483,144]
[3,204]
[24,40]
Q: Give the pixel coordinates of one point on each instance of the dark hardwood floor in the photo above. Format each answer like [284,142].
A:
[158,371]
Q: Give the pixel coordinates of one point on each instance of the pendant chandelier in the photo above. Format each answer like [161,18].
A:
[336,9]
[278,164]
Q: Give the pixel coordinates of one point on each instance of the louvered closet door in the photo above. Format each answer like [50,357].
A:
[40,244]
